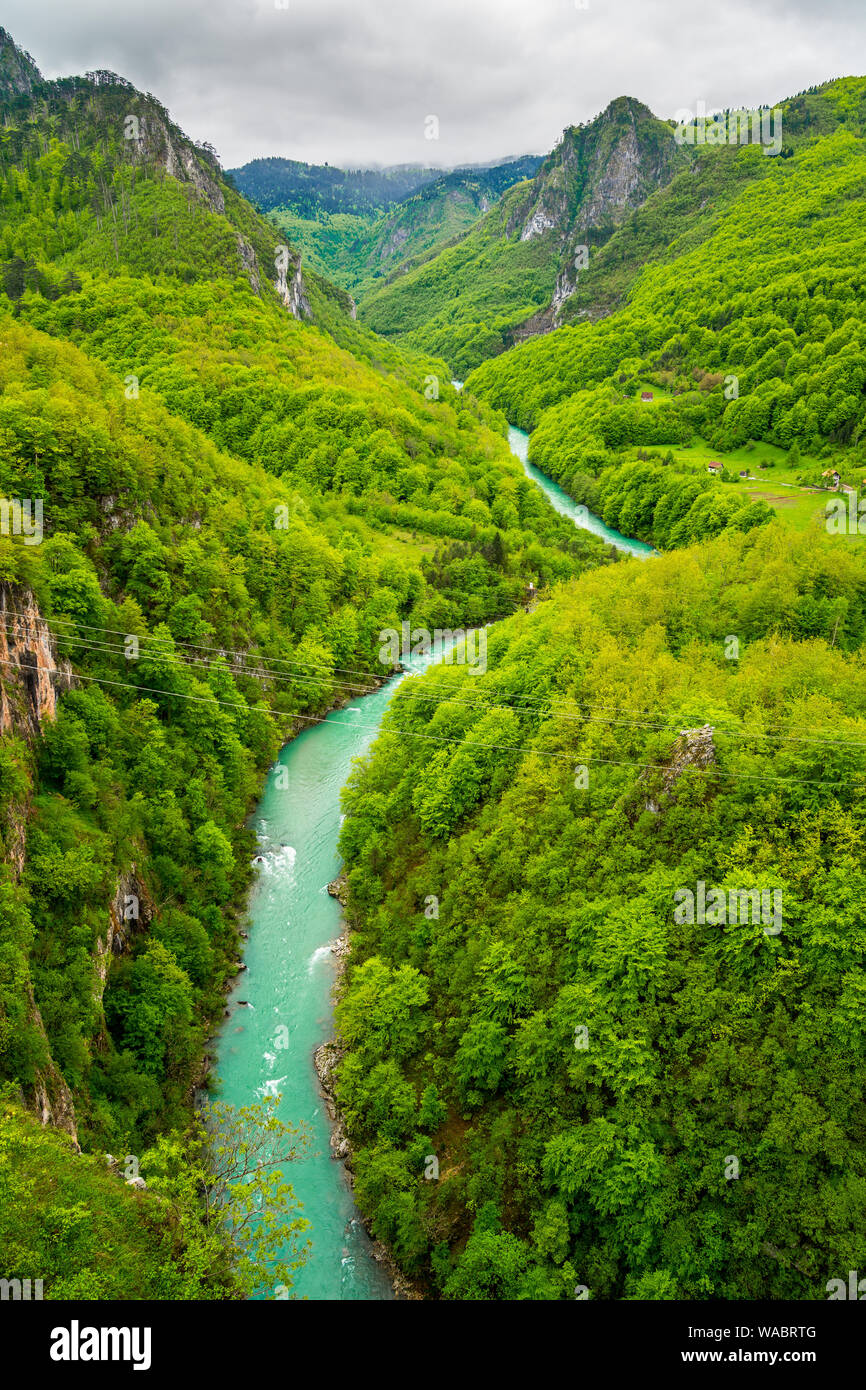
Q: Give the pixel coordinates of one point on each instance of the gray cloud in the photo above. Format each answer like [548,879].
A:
[351,82]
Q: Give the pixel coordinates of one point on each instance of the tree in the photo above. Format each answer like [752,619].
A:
[222,1181]
[382,1009]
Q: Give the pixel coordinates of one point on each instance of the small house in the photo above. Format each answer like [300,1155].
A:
[833,476]
[646,395]
[714,466]
[744,473]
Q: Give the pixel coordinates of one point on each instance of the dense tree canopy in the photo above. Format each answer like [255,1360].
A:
[624,1101]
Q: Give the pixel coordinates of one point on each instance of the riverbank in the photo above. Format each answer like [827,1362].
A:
[326,1060]
[294,953]
[560,500]
[292,728]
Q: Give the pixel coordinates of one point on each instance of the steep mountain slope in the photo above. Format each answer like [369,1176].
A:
[232,501]
[691,208]
[360,253]
[622,188]
[74,1230]
[745,283]
[466,301]
[98,177]
[591,1091]
[18,72]
[557,1082]
[748,321]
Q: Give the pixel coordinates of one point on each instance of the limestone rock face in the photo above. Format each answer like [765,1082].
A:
[594,178]
[250,264]
[131,910]
[18,72]
[540,221]
[51,1098]
[599,172]
[30,675]
[158,144]
[693,748]
[30,678]
[290,287]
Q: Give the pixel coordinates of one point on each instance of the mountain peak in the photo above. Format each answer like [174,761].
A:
[18,72]
[599,172]
[625,105]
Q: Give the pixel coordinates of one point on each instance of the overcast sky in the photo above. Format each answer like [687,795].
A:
[353,81]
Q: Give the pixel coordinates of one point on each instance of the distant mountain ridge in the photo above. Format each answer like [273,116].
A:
[438,212]
[517,263]
[613,193]
[357,226]
[361,251]
[310,189]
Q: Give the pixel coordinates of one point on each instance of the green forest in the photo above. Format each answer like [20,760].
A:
[553,1085]
[242,498]
[522,1005]
[612,1100]
[368,227]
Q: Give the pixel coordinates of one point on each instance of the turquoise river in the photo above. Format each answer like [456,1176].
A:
[285,992]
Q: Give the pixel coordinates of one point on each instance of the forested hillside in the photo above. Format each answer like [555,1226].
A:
[745,328]
[221,481]
[469,302]
[239,487]
[623,189]
[556,1085]
[360,251]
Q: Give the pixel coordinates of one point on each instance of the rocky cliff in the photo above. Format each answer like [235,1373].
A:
[30,673]
[103,121]
[18,72]
[30,678]
[290,284]
[155,141]
[131,910]
[594,178]
[512,274]
[50,1097]
[693,748]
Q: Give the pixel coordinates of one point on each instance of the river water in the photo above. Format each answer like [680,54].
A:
[280,1007]
[566,506]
